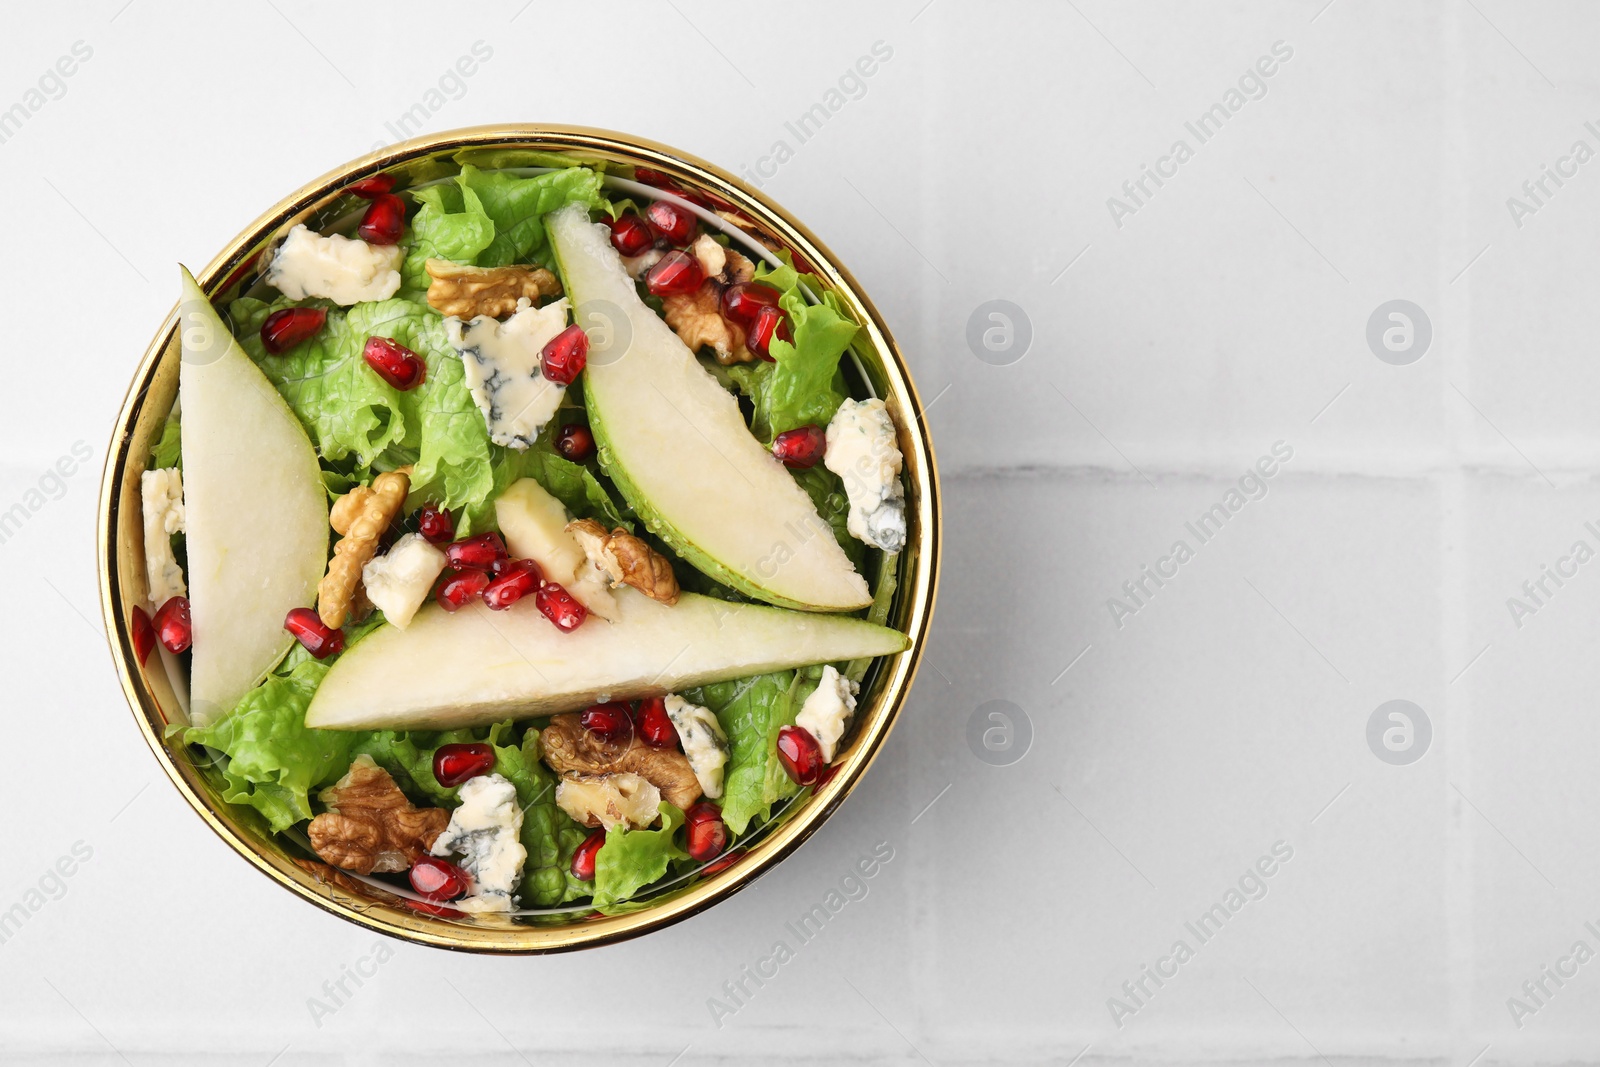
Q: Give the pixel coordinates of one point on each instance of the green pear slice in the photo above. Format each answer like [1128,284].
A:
[479,666]
[256,511]
[677,447]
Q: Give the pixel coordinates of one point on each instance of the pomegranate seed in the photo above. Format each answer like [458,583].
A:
[800,755]
[395,363]
[707,834]
[742,301]
[435,524]
[827,774]
[308,628]
[655,726]
[454,764]
[575,442]
[438,879]
[144,635]
[800,447]
[630,235]
[560,607]
[475,553]
[287,327]
[373,187]
[461,587]
[647,176]
[608,721]
[718,866]
[583,856]
[675,272]
[384,221]
[771,324]
[173,626]
[564,358]
[438,910]
[515,580]
[671,223]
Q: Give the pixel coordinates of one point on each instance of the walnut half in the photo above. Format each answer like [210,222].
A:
[466,291]
[697,317]
[626,560]
[570,749]
[370,825]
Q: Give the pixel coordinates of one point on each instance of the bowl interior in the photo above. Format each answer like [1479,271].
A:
[156,690]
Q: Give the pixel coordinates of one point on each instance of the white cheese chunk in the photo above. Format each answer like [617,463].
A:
[486,830]
[504,372]
[827,712]
[863,452]
[398,581]
[335,268]
[161,497]
[703,742]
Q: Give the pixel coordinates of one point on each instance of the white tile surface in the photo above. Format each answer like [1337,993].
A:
[1229,713]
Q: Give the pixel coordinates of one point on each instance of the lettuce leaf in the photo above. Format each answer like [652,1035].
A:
[274,761]
[750,711]
[516,205]
[450,224]
[168,449]
[632,859]
[803,386]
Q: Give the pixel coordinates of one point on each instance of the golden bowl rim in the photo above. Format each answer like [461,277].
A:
[920,585]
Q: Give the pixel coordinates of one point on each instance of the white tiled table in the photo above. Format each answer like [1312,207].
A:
[1227,715]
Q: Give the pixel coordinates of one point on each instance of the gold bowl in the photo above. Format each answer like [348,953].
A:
[323,203]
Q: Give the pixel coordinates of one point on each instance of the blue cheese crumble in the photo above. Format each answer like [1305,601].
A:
[486,830]
[703,742]
[862,450]
[161,498]
[827,712]
[503,369]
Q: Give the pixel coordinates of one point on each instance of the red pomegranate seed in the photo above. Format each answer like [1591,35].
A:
[454,764]
[718,866]
[609,721]
[575,442]
[172,625]
[373,187]
[655,725]
[515,580]
[771,324]
[671,223]
[287,327]
[675,272]
[438,879]
[384,221]
[461,587]
[144,635]
[630,235]
[583,856]
[308,628]
[395,363]
[475,553]
[437,910]
[828,773]
[647,176]
[742,301]
[560,607]
[707,834]
[801,447]
[435,524]
[564,358]
[800,755]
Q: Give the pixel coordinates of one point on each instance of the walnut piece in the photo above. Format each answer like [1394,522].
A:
[570,749]
[697,317]
[609,800]
[370,825]
[359,517]
[466,292]
[626,560]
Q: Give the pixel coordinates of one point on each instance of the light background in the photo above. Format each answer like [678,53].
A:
[1229,312]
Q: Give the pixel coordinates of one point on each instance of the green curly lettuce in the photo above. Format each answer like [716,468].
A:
[751,711]
[633,859]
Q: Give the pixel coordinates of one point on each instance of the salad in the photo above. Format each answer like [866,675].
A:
[512,553]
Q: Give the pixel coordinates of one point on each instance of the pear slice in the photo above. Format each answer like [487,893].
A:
[480,666]
[256,511]
[676,444]
[535,527]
